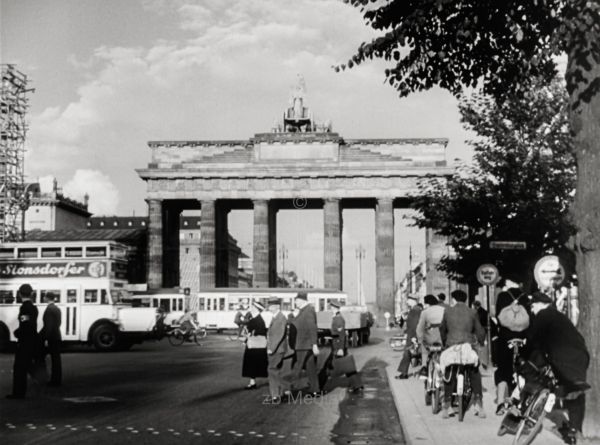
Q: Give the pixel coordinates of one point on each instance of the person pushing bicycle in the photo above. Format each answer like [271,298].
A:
[428,329]
[460,325]
[553,339]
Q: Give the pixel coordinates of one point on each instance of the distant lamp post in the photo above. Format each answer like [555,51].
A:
[283,255]
[360,254]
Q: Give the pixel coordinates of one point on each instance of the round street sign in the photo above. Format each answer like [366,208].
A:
[548,272]
[487,274]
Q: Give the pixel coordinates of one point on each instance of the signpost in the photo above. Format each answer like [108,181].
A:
[488,275]
[508,245]
[549,274]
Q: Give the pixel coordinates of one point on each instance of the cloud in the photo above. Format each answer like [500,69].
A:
[228,77]
[103,195]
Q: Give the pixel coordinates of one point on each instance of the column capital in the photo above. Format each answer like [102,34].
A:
[385,201]
[331,200]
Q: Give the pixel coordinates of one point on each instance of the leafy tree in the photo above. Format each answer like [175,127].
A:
[502,45]
[519,186]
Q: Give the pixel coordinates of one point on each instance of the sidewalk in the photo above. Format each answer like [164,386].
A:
[422,427]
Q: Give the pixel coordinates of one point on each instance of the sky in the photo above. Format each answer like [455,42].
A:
[111,75]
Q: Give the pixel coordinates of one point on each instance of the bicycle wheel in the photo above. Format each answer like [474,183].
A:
[533,418]
[176,338]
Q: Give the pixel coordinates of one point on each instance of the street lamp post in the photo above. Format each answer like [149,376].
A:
[360,254]
[24,203]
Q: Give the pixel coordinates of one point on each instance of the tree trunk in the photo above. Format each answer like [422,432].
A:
[586,212]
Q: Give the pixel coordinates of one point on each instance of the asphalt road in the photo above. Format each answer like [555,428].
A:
[160,394]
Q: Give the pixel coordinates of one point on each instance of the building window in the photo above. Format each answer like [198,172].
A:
[143,223]
[89,224]
[101,223]
[197,223]
[129,223]
[187,250]
[185,223]
[116,223]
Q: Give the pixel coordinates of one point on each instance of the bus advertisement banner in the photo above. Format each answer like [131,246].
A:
[59,269]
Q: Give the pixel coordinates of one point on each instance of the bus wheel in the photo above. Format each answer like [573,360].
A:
[105,338]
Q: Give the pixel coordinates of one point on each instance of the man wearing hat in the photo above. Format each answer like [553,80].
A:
[306,342]
[338,330]
[553,335]
[277,347]
[412,320]
[27,342]
[428,329]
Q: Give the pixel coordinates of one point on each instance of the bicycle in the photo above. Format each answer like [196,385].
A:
[434,381]
[534,407]
[463,391]
[177,335]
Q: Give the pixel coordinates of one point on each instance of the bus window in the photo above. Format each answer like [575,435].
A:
[95,251]
[71,295]
[321,304]
[45,295]
[201,304]
[90,296]
[221,304]
[103,296]
[74,252]
[6,297]
[27,253]
[7,253]
[51,252]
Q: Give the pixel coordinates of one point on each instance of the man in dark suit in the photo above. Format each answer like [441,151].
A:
[27,342]
[51,337]
[553,335]
[460,324]
[306,342]
[412,320]
[277,347]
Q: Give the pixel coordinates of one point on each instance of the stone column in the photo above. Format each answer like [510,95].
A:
[260,256]
[207,245]
[155,244]
[272,244]
[222,244]
[332,217]
[384,257]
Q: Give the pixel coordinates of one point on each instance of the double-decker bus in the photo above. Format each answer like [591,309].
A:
[87,280]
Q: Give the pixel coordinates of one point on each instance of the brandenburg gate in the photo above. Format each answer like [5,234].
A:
[299,164]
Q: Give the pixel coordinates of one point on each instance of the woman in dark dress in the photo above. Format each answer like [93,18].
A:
[503,376]
[255,355]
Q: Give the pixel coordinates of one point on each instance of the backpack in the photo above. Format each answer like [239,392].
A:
[514,316]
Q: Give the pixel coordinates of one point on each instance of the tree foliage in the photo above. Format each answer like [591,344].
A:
[502,43]
[519,187]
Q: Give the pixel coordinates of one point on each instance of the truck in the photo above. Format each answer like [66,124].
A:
[358,324]
[86,279]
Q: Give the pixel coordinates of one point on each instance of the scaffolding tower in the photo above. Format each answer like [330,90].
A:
[13,128]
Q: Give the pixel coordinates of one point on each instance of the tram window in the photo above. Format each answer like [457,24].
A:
[95,251]
[71,295]
[103,296]
[45,295]
[27,253]
[180,304]
[7,253]
[51,252]
[286,305]
[90,296]
[221,304]
[6,297]
[321,304]
[201,304]
[74,252]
